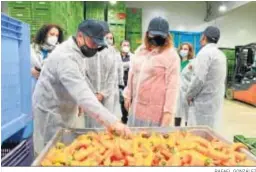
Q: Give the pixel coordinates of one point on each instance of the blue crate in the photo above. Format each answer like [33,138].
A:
[191,37]
[24,133]
[16,78]
[15,154]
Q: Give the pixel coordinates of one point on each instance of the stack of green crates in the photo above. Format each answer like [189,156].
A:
[37,13]
[117,19]
[75,16]
[20,10]
[95,10]
[133,19]
[117,13]
[59,15]
[118,31]
[134,27]
[41,14]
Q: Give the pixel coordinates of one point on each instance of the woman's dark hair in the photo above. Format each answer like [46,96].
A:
[42,33]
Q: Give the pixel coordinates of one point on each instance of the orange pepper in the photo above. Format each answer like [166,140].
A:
[201,149]
[238,146]
[239,156]
[217,155]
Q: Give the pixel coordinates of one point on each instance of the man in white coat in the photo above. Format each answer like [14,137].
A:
[62,87]
[205,91]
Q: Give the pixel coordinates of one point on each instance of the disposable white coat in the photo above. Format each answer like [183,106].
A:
[207,86]
[183,107]
[60,89]
[103,72]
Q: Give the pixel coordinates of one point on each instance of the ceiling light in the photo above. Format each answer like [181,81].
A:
[112,2]
[222,8]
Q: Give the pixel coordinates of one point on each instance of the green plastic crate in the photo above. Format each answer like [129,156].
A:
[20,12]
[19,4]
[133,27]
[135,39]
[44,15]
[41,5]
[64,13]
[249,142]
[114,12]
[133,19]
[95,10]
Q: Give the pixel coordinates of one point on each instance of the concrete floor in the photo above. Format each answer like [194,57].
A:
[238,118]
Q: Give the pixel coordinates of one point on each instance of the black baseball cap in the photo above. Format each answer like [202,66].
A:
[158,27]
[212,33]
[105,27]
[95,30]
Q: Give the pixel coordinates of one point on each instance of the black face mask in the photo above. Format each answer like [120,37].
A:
[88,52]
[157,41]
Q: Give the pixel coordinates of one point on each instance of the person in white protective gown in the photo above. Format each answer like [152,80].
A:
[102,71]
[46,39]
[110,40]
[62,87]
[203,82]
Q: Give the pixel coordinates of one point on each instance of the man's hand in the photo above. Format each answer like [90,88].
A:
[35,73]
[100,97]
[127,104]
[190,101]
[166,120]
[121,130]
[190,67]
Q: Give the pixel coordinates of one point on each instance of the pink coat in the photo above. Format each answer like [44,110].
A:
[153,83]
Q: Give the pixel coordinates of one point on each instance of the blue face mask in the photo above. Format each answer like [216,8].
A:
[183,53]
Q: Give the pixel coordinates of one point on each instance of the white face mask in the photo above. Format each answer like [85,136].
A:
[52,40]
[183,53]
[109,42]
[126,49]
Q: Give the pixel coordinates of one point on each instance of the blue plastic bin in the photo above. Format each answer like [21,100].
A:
[24,133]
[16,78]
[17,153]
[191,37]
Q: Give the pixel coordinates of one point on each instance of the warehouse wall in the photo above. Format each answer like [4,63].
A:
[182,16]
[237,27]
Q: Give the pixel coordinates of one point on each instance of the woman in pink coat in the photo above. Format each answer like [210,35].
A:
[153,82]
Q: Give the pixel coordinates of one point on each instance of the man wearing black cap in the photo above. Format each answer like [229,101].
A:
[62,87]
[205,92]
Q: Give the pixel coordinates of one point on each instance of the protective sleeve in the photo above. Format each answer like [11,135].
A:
[200,68]
[72,80]
[120,70]
[90,84]
[172,78]
[108,78]
[34,58]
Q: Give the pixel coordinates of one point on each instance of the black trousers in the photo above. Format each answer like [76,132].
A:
[177,122]
[124,111]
